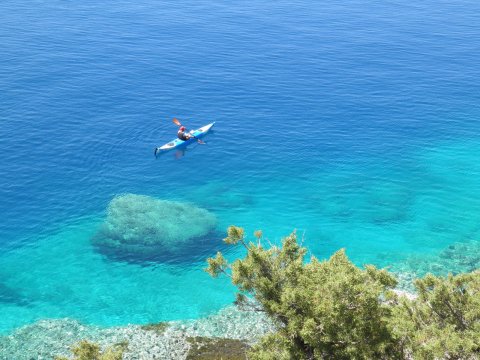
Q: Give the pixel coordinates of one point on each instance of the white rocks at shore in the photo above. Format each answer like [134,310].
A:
[231,323]
[148,345]
[49,338]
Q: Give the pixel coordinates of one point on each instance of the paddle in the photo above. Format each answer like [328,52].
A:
[175,121]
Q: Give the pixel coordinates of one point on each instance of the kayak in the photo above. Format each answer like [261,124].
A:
[177,143]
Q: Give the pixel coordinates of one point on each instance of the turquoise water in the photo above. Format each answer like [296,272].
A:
[355,123]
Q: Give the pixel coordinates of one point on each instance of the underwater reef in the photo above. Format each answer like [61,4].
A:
[142,227]
[456,258]
[459,257]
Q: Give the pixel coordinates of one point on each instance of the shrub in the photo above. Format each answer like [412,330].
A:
[444,320]
[86,350]
[323,309]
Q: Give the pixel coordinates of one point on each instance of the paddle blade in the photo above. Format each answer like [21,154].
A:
[175,121]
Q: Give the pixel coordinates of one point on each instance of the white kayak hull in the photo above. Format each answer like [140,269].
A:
[177,143]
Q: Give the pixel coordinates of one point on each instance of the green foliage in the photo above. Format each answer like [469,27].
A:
[444,321]
[342,309]
[334,310]
[329,309]
[216,265]
[235,235]
[86,350]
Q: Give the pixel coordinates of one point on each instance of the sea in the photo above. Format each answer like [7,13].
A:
[354,123]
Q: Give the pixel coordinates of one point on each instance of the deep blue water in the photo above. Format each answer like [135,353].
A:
[355,122]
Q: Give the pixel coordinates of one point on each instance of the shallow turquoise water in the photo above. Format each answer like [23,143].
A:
[355,124]
[380,213]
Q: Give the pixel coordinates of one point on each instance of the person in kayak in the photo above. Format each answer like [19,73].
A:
[183,134]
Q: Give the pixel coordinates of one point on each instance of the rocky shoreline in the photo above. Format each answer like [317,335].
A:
[46,339]
[225,334]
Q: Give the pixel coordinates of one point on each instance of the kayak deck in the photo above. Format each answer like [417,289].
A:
[177,143]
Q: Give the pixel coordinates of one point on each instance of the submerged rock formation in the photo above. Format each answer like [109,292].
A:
[139,226]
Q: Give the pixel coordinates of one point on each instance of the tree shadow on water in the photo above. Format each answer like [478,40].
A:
[196,250]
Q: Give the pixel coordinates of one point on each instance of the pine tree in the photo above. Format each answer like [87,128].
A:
[323,309]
